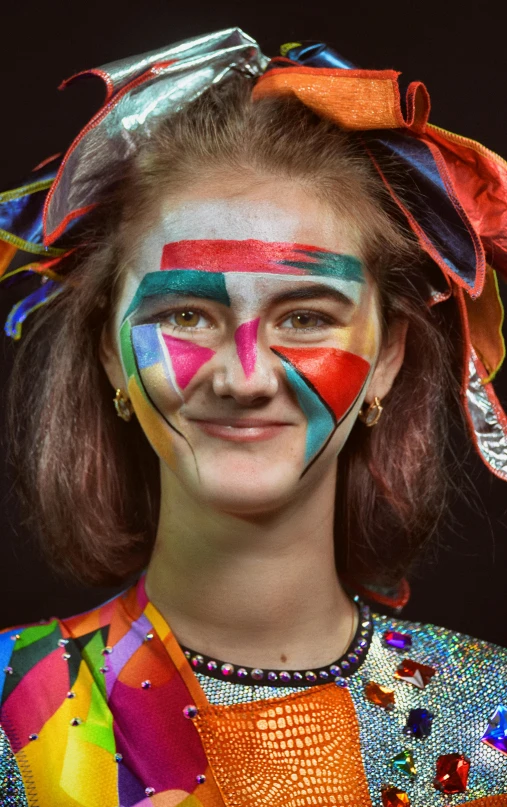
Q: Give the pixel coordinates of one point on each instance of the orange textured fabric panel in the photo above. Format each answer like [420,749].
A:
[488,801]
[488,342]
[300,750]
[352,102]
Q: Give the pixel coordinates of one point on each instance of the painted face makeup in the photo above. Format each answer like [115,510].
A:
[327,369]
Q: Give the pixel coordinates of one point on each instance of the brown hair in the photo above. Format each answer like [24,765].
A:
[90,482]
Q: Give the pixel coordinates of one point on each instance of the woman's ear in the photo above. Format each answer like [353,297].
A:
[108,354]
[389,361]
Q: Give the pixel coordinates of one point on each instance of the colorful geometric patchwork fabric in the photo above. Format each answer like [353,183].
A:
[104,710]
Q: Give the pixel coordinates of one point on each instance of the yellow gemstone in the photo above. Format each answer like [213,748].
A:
[379,695]
[394,797]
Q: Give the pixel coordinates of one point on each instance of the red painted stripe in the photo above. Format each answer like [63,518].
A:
[249,255]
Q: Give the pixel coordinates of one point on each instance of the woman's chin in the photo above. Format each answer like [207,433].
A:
[247,489]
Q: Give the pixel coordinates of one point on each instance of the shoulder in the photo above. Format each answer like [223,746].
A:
[24,647]
[40,662]
[455,656]
[438,693]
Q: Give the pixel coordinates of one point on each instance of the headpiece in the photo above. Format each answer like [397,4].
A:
[452,191]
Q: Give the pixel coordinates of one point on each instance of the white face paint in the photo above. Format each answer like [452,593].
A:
[248,332]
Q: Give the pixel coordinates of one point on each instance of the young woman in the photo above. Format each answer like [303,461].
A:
[281,316]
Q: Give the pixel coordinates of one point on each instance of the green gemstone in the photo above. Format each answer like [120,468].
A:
[404,763]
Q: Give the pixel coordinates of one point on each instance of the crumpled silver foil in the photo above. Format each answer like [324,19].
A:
[488,421]
[140,90]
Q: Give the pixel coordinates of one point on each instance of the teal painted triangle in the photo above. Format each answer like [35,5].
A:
[320,423]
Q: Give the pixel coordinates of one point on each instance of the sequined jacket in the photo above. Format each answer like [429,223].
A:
[104,709]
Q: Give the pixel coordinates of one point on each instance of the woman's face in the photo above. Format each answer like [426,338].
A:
[247,333]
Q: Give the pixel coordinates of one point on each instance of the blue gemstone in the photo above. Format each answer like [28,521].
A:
[398,640]
[496,733]
[419,723]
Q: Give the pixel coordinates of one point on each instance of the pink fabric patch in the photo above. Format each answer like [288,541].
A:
[186,358]
[246,344]
[44,689]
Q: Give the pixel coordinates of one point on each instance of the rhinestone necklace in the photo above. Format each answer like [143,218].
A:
[337,671]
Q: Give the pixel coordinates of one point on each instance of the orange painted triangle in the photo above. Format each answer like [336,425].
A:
[336,375]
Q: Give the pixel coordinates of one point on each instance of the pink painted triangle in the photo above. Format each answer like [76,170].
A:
[186,358]
[246,345]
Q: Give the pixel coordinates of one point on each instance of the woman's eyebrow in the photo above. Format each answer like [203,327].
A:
[312,292]
[208,285]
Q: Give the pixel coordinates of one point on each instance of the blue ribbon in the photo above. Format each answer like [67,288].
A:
[415,176]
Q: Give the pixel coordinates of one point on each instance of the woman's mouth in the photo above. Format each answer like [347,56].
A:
[241,430]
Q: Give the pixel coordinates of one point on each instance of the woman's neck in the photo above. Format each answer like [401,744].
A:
[259,591]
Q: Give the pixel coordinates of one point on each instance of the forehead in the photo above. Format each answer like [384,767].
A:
[299,218]
[252,246]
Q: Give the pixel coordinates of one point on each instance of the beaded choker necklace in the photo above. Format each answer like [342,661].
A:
[337,671]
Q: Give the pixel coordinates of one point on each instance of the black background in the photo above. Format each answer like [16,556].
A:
[461,57]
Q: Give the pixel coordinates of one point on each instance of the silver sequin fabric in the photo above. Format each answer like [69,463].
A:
[469,684]
[12,791]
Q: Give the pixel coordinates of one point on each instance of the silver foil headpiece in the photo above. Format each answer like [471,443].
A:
[140,90]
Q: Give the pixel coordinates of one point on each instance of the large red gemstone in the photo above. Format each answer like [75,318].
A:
[452,773]
[414,673]
[394,797]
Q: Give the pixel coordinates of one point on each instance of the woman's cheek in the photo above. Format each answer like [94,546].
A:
[327,382]
[151,386]
[156,428]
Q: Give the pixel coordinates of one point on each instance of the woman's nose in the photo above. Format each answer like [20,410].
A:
[247,370]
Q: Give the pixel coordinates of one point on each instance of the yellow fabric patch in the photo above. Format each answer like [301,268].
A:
[485,319]
[174,798]
[60,760]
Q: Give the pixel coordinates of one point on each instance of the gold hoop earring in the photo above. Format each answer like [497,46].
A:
[123,405]
[372,415]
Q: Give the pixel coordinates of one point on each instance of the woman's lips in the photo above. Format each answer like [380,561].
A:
[242,431]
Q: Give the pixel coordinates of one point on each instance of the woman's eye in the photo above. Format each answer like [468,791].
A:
[186,318]
[304,320]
